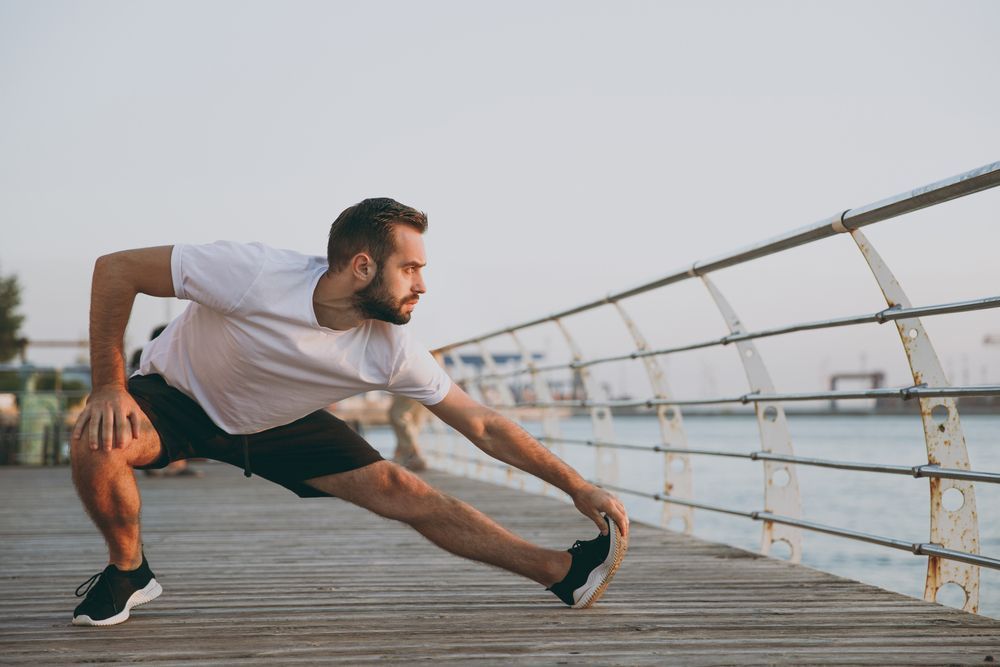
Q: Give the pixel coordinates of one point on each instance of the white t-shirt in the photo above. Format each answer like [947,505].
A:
[250,351]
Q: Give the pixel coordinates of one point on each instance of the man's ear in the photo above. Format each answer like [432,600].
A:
[363,267]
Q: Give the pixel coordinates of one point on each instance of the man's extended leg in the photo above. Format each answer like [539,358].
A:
[395,493]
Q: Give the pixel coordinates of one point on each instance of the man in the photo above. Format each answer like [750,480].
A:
[243,375]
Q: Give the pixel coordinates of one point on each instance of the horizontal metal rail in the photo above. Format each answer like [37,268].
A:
[916,548]
[904,393]
[602,443]
[489,463]
[966,183]
[880,317]
[676,501]
[926,470]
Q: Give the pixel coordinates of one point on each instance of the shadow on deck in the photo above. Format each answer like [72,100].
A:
[253,574]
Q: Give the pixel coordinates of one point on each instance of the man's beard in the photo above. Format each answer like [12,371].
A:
[375,302]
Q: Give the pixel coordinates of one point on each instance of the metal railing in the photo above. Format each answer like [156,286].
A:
[881,317]
[953,548]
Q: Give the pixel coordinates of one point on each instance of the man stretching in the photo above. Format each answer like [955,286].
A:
[243,375]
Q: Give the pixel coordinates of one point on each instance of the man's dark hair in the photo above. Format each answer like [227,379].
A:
[367,227]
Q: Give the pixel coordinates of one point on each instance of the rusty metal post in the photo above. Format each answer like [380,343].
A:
[606,460]
[505,404]
[550,420]
[956,527]
[676,467]
[781,482]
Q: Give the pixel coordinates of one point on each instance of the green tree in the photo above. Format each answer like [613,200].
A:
[10,320]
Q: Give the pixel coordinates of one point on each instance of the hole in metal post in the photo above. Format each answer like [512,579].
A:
[781,477]
[912,333]
[952,499]
[771,413]
[677,465]
[940,413]
[951,595]
[670,413]
[748,352]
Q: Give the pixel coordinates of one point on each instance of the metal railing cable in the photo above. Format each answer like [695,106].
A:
[927,470]
[916,548]
[904,393]
[880,317]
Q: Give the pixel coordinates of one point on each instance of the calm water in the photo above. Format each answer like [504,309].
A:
[889,505]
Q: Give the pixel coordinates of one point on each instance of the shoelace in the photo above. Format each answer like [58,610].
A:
[89,583]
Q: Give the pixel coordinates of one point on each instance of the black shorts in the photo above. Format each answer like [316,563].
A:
[316,445]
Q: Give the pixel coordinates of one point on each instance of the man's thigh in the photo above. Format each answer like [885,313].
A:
[317,445]
[383,487]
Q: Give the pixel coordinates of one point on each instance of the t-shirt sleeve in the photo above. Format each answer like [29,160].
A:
[419,376]
[217,275]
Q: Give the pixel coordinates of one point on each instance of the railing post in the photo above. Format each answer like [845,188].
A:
[550,420]
[505,399]
[781,482]
[951,528]
[606,460]
[676,467]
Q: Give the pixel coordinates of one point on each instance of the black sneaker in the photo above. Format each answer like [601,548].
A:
[594,564]
[113,592]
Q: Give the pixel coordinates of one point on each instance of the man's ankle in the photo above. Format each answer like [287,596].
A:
[560,568]
[127,564]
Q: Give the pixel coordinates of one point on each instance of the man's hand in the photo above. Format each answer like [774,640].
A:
[110,419]
[591,501]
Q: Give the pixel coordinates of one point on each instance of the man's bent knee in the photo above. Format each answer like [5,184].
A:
[139,452]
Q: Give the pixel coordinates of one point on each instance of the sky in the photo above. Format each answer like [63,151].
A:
[562,150]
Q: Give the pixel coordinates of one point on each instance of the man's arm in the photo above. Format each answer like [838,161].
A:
[506,441]
[111,417]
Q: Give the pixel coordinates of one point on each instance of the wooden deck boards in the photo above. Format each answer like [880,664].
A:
[255,575]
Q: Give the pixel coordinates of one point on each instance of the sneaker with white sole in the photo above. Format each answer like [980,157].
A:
[594,564]
[113,592]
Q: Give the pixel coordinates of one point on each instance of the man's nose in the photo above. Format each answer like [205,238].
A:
[419,286]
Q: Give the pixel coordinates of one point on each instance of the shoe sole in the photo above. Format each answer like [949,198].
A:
[602,575]
[148,593]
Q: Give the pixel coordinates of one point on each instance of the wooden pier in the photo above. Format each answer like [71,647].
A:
[253,575]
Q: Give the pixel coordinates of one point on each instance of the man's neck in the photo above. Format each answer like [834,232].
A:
[333,303]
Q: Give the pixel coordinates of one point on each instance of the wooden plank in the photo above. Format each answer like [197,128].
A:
[253,574]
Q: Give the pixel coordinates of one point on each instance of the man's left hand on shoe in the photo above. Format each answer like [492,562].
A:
[593,501]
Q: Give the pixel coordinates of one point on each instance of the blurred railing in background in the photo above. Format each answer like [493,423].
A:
[38,407]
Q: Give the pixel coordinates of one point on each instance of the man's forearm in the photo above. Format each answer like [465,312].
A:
[506,441]
[111,300]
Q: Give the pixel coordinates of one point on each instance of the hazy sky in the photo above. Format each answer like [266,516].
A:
[562,150]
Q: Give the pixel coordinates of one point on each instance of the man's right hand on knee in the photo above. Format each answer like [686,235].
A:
[110,419]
